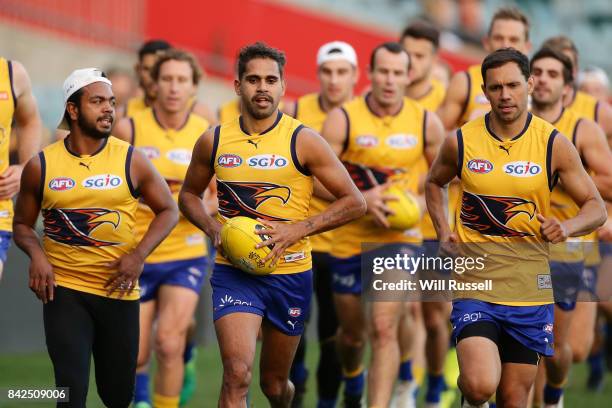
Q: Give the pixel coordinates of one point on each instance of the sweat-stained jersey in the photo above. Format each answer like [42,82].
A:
[88,205]
[259,176]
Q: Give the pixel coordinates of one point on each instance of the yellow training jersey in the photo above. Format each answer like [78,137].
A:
[380,149]
[7,109]
[562,206]
[309,111]
[432,99]
[476,104]
[504,185]
[584,105]
[135,105]
[259,176]
[88,206]
[229,111]
[170,152]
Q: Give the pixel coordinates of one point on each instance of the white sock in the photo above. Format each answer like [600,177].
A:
[466,404]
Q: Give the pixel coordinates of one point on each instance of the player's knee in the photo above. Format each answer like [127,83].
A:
[383,332]
[434,322]
[476,390]
[144,354]
[169,346]
[351,338]
[236,374]
[273,386]
[512,398]
[580,352]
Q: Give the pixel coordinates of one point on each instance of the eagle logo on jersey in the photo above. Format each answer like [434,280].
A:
[74,226]
[489,215]
[367,177]
[243,198]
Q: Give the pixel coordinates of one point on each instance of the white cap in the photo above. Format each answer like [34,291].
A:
[336,50]
[79,78]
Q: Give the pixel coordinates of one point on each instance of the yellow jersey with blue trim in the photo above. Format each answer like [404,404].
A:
[229,111]
[476,103]
[505,183]
[562,206]
[309,111]
[585,106]
[434,97]
[169,150]
[380,149]
[8,103]
[88,205]
[259,176]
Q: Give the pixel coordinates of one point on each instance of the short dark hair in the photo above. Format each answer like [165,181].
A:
[152,47]
[510,13]
[503,56]
[177,55]
[424,31]
[392,47]
[75,98]
[562,43]
[259,50]
[548,52]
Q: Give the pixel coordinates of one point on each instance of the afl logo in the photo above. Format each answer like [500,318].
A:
[229,160]
[481,166]
[267,162]
[179,156]
[522,169]
[295,311]
[61,184]
[102,182]
[401,141]
[367,141]
[150,152]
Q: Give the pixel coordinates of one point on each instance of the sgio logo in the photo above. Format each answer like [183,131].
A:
[61,184]
[102,182]
[401,141]
[481,166]
[268,162]
[179,156]
[522,169]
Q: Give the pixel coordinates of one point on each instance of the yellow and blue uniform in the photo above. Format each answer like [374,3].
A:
[377,150]
[89,213]
[260,176]
[229,111]
[180,259]
[432,100]
[476,104]
[135,105]
[8,103]
[505,183]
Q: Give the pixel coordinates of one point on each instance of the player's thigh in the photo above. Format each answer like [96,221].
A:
[515,383]
[562,321]
[384,317]
[581,331]
[175,308]
[351,317]
[478,357]
[277,352]
[147,318]
[237,338]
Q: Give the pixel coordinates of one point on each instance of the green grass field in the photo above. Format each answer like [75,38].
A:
[34,370]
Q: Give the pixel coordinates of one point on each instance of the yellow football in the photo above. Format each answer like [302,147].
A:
[407,212]
[238,239]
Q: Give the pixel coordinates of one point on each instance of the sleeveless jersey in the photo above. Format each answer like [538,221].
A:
[8,102]
[562,206]
[476,104]
[505,184]
[229,111]
[584,105]
[259,176]
[309,111]
[137,104]
[380,149]
[432,99]
[170,152]
[88,206]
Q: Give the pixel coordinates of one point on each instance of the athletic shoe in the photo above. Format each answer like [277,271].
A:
[405,394]
[189,379]
[557,405]
[298,397]
[142,404]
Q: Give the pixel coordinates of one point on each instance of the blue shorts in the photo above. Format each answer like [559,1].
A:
[283,300]
[566,281]
[188,273]
[532,326]
[605,249]
[347,272]
[5,243]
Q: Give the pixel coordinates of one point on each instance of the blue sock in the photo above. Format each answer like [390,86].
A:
[405,371]
[326,403]
[188,351]
[435,386]
[141,388]
[299,373]
[354,385]
[596,363]
[492,405]
[552,395]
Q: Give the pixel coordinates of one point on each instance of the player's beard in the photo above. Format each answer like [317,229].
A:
[91,130]
[257,113]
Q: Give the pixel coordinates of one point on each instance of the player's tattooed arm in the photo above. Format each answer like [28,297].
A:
[42,278]
[452,107]
[593,147]
[442,171]
[566,163]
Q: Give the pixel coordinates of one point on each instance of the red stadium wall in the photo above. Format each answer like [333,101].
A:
[213,30]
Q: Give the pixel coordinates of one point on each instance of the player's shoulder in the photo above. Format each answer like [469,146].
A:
[199,121]
[540,126]
[474,127]
[117,144]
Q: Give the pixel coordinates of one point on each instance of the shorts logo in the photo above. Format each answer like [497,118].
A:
[401,141]
[295,312]
[179,156]
[367,141]
[102,182]
[347,281]
[522,169]
[4,96]
[227,300]
[61,184]
[544,282]
[268,162]
[480,166]
[471,317]
[150,152]
[548,328]
[229,160]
